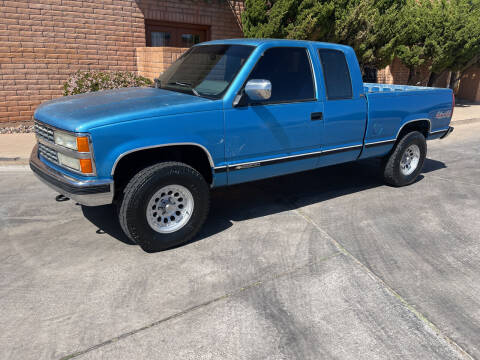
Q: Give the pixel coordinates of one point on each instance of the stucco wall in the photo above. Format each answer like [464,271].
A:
[470,85]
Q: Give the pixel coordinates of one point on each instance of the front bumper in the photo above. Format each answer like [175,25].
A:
[86,192]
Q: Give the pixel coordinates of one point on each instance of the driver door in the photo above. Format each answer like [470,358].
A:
[277,136]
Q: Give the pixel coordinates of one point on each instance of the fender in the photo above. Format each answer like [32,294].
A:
[414,120]
[209,156]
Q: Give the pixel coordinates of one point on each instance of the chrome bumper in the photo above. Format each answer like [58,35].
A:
[86,192]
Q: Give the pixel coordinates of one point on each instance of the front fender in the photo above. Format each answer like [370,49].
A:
[112,142]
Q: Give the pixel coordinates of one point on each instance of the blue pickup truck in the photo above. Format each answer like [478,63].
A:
[224,113]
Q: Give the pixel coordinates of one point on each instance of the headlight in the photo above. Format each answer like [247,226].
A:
[69,161]
[85,166]
[65,140]
[80,143]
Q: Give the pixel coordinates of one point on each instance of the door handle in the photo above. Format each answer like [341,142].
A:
[316,116]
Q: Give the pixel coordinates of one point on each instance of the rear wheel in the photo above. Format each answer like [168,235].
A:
[164,205]
[405,162]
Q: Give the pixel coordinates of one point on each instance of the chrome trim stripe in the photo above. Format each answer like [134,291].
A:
[220,169]
[342,148]
[272,161]
[210,159]
[375,143]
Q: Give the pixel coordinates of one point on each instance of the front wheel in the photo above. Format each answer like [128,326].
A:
[164,205]
[403,165]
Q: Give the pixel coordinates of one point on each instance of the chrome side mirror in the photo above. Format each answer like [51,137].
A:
[257,89]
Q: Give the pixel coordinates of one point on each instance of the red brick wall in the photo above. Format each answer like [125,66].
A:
[152,61]
[395,73]
[216,13]
[43,41]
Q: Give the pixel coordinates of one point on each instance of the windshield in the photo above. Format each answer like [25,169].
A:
[206,70]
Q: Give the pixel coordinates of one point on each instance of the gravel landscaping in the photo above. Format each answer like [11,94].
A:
[21,129]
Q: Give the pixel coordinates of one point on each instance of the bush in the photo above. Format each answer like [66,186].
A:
[90,81]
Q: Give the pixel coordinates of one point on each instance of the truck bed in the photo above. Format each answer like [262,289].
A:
[376,88]
[390,107]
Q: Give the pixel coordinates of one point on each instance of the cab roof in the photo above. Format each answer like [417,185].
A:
[281,42]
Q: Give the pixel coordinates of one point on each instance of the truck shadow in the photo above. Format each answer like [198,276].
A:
[266,197]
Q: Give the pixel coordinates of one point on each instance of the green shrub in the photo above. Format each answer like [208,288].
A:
[90,81]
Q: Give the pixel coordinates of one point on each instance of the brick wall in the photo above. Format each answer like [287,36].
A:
[397,73]
[151,61]
[43,41]
[219,14]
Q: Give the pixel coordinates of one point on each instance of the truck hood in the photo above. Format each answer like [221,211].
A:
[83,112]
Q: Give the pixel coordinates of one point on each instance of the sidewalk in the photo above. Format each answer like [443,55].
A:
[16,148]
[466,111]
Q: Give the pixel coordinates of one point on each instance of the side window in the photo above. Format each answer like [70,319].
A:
[289,71]
[336,74]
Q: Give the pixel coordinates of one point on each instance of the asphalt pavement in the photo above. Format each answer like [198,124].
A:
[330,263]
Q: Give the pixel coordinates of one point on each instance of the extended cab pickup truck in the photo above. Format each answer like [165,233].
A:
[224,113]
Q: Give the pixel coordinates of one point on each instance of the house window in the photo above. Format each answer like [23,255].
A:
[162,33]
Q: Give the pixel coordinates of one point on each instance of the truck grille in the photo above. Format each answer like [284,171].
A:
[44,132]
[48,153]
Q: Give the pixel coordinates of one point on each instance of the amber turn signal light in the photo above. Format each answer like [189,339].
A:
[82,144]
[86,166]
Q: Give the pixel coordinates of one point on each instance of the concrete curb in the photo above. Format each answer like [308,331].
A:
[13,168]
[465,121]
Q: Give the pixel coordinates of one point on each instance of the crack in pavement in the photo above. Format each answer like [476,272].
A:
[341,250]
[196,307]
[378,279]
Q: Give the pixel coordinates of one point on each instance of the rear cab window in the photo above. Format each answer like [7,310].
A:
[336,74]
[290,72]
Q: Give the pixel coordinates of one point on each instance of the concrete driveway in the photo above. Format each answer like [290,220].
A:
[325,264]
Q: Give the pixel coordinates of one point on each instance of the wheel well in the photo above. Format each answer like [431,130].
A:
[132,163]
[423,126]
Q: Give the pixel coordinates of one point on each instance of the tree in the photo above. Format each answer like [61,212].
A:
[443,35]
[365,25]
[362,24]
[289,19]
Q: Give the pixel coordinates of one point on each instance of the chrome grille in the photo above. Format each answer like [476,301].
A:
[48,153]
[44,132]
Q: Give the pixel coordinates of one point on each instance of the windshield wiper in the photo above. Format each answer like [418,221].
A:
[184,84]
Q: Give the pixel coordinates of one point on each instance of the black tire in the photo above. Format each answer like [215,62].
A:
[391,164]
[138,192]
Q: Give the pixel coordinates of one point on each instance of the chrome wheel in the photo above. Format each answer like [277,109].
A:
[170,208]
[410,160]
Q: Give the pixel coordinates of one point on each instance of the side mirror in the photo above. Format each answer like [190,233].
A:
[258,89]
